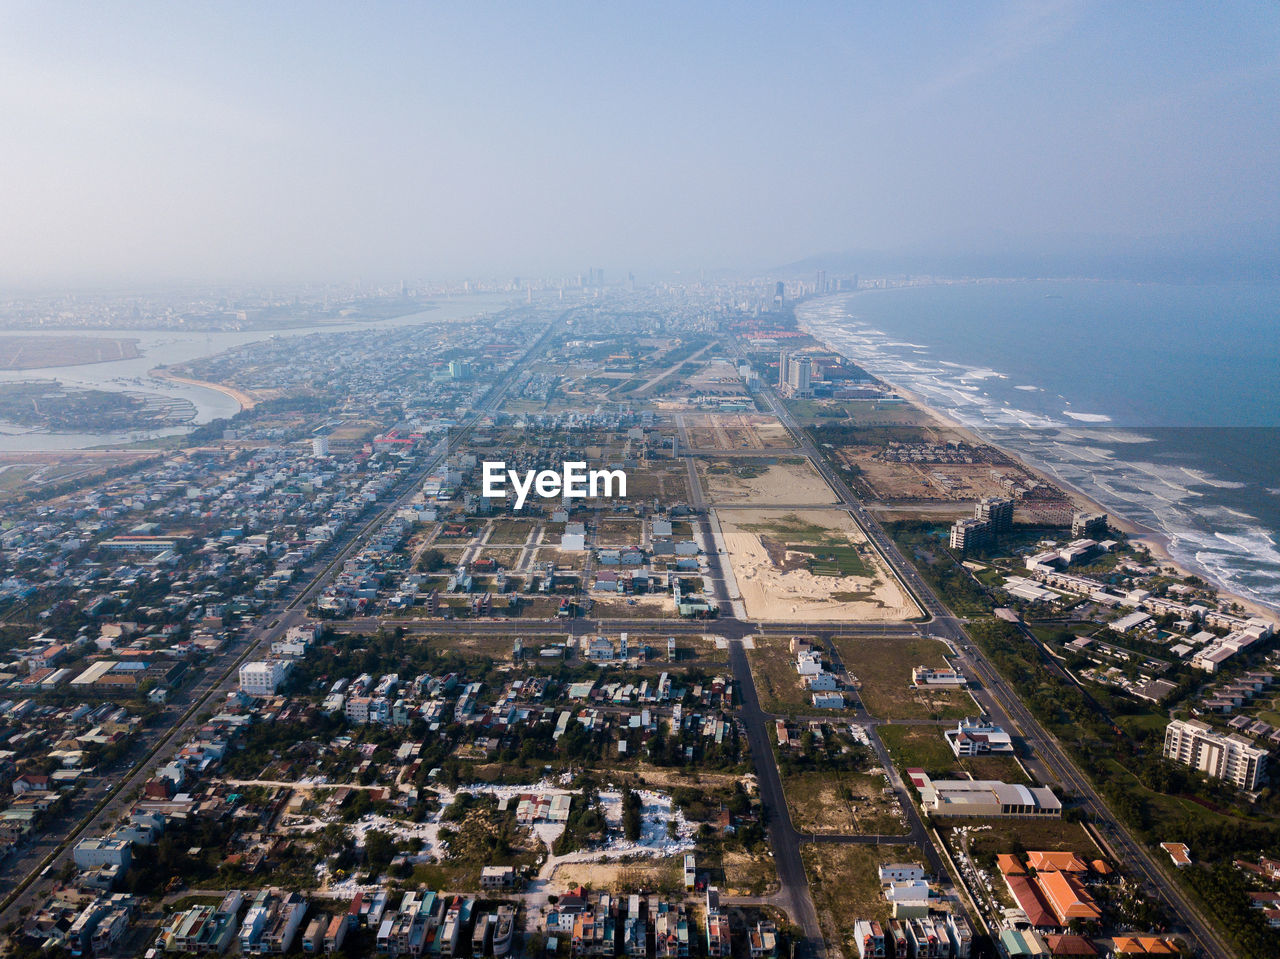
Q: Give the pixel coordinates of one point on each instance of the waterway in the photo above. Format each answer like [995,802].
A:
[170,347]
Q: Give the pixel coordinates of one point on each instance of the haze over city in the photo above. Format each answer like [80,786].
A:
[664,481]
[152,142]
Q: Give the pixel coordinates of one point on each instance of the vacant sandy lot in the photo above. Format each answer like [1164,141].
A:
[737,431]
[792,483]
[776,584]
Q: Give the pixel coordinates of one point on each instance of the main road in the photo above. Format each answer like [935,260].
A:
[103,802]
[945,624]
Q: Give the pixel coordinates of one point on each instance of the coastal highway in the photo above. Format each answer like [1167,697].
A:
[974,663]
[105,800]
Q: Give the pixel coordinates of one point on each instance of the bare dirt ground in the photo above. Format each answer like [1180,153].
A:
[781,588]
[622,877]
[737,431]
[824,802]
[793,483]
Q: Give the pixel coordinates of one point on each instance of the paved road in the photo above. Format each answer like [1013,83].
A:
[784,840]
[106,801]
[1057,764]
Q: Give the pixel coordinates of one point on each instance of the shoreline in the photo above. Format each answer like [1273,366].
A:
[246,401]
[1156,543]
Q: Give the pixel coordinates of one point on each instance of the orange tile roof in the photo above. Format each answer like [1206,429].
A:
[1056,861]
[1067,897]
[1009,865]
[1178,852]
[1156,946]
[1070,946]
[1100,867]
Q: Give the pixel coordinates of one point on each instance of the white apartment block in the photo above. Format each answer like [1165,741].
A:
[260,678]
[1230,757]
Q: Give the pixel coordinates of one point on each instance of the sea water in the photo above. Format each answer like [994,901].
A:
[1160,401]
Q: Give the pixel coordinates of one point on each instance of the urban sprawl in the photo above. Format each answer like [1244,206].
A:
[373,667]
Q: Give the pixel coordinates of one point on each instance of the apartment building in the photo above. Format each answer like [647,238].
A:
[1230,757]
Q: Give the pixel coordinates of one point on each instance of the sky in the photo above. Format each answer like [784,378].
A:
[147,142]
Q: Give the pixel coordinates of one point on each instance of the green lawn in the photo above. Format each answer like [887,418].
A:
[834,560]
[883,666]
[919,746]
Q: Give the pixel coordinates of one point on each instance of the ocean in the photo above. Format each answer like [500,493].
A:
[1157,400]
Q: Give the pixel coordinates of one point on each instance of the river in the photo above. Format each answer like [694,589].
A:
[170,347]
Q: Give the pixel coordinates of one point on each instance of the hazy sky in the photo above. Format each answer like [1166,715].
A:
[308,141]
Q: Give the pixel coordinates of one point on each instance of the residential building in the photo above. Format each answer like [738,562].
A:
[935,677]
[1231,757]
[998,512]
[262,677]
[976,737]
[967,534]
[1091,525]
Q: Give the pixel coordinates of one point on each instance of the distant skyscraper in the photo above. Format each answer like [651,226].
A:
[320,446]
[784,359]
[779,293]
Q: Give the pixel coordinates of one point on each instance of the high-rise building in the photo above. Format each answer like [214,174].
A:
[800,377]
[784,360]
[998,511]
[969,534]
[1231,757]
[1092,525]
[320,446]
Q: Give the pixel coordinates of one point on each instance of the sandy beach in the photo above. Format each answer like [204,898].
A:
[1157,544]
[246,401]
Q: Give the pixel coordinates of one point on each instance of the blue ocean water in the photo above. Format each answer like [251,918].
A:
[1157,400]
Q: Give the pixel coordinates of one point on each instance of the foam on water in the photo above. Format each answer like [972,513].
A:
[1228,546]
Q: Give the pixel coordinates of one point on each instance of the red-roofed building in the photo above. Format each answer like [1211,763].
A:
[1067,897]
[1030,900]
[1070,946]
[1056,862]
[1010,865]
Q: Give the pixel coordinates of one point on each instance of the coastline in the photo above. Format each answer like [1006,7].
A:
[246,401]
[1156,543]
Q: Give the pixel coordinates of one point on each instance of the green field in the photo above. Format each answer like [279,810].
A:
[883,667]
[834,560]
[919,746]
